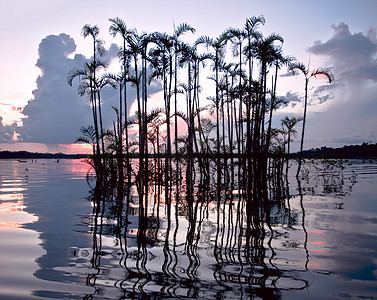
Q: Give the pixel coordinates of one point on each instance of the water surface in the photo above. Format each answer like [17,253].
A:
[62,241]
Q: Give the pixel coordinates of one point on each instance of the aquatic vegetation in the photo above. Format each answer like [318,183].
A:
[234,132]
[223,172]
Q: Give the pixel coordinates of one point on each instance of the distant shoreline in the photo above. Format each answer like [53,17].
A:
[36,155]
[354,151]
[364,150]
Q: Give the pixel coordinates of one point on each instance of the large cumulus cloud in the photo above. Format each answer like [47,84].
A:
[56,113]
[352,55]
[351,116]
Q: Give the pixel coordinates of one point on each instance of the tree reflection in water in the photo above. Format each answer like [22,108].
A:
[189,239]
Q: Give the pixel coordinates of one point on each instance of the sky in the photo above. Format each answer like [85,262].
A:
[41,42]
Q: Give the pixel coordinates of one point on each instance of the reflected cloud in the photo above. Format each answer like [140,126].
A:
[173,243]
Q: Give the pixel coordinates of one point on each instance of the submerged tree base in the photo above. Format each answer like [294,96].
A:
[196,237]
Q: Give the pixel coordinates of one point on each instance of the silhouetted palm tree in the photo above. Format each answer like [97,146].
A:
[136,49]
[219,46]
[279,61]
[181,29]
[298,66]
[266,52]
[88,136]
[251,34]
[98,46]
[237,36]
[88,86]
[118,26]
[289,124]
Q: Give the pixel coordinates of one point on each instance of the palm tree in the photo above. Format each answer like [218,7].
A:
[181,29]
[118,26]
[89,137]
[298,66]
[162,61]
[219,46]
[251,34]
[264,49]
[98,46]
[279,61]
[161,58]
[237,36]
[135,46]
[88,86]
[289,123]
[266,52]
[188,56]
[99,85]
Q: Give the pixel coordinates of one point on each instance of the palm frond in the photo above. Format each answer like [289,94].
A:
[205,40]
[88,135]
[183,28]
[325,72]
[116,110]
[289,123]
[235,33]
[84,88]
[82,139]
[73,74]
[90,30]
[183,116]
[100,47]
[273,37]
[252,23]
[119,26]
[297,66]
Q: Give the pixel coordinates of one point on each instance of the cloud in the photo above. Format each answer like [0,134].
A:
[287,74]
[7,132]
[350,117]
[56,113]
[353,55]
[325,93]
[292,98]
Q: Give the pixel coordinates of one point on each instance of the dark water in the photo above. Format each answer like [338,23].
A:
[59,242]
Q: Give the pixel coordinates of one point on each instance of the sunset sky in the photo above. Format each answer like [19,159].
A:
[41,42]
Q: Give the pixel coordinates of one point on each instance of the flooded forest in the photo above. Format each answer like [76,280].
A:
[200,181]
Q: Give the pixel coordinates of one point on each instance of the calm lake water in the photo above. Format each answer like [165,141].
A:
[57,243]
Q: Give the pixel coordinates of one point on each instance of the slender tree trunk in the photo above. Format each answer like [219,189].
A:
[120,145]
[303,127]
[176,118]
[288,151]
[273,98]
[100,122]
[217,128]
[126,131]
[97,156]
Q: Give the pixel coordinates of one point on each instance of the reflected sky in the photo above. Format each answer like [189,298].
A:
[38,205]
[324,247]
[20,246]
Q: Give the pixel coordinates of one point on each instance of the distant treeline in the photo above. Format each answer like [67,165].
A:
[353,151]
[35,155]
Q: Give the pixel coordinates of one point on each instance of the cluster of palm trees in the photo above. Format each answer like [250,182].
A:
[230,129]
